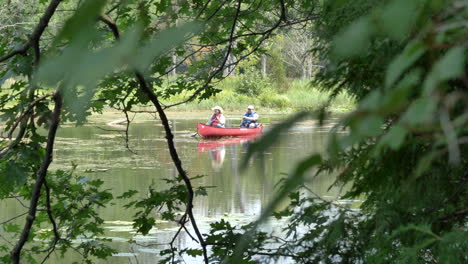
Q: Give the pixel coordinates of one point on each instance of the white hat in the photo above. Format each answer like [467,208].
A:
[219,108]
[250,107]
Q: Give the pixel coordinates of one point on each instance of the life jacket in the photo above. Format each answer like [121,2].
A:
[246,122]
[215,120]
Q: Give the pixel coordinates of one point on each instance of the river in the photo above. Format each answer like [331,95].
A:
[238,194]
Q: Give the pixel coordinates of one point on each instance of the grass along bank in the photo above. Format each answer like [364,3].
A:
[236,93]
[299,95]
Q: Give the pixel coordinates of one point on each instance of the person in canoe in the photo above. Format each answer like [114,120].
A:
[217,119]
[250,118]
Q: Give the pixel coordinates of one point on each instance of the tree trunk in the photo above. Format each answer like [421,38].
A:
[229,67]
[174,64]
[175,8]
[263,65]
[309,67]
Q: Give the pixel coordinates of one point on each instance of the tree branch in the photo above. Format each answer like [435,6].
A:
[175,158]
[34,42]
[223,64]
[264,34]
[52,221]
[36,35]
[172,150]
[13,218]
[40,179]
[26,112]
[113,27]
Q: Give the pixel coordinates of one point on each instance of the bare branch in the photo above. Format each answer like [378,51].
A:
[22,50]
[13,218]
[223,64]
[175,158]
[52,221]
[111,24]
[266,34]
[203,8]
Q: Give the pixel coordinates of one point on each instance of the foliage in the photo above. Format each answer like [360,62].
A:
[251,83]
[405,153]
[166,205]
[167,202]
[275,100]
[278,70]
[77,57]
[300,96]
[74,201]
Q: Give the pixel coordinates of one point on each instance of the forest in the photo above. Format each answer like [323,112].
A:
[363,159]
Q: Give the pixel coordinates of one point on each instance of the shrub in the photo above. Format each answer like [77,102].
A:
[251,83]
[274,100]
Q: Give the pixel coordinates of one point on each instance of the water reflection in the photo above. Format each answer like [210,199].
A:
[238,196]
[217,150]
[217,157]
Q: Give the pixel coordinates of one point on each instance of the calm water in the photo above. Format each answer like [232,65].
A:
[238,195]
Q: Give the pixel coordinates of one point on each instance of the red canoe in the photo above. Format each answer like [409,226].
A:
[209,131]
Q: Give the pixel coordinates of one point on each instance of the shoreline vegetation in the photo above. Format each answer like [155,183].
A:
[300,95]
[234,97]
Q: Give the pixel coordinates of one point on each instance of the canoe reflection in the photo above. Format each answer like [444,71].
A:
[207,144]
[217,149]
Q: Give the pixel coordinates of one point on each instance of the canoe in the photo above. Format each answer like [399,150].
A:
[207,144]
[209,131]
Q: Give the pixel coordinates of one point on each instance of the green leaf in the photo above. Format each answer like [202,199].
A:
[144,224]
[413,51]
[397,98]
[424,164]
[368,126]
[421,111]
[194,252]
[450,66]
[162,43]
[10,227]
[399,17]
[267,140]
[394,138]
[354,40]
[5,77]
[82,21]
[372,101]
[127,194]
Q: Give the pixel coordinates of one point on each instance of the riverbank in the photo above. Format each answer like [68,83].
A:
[269,102]
[298,96]
[264,95]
